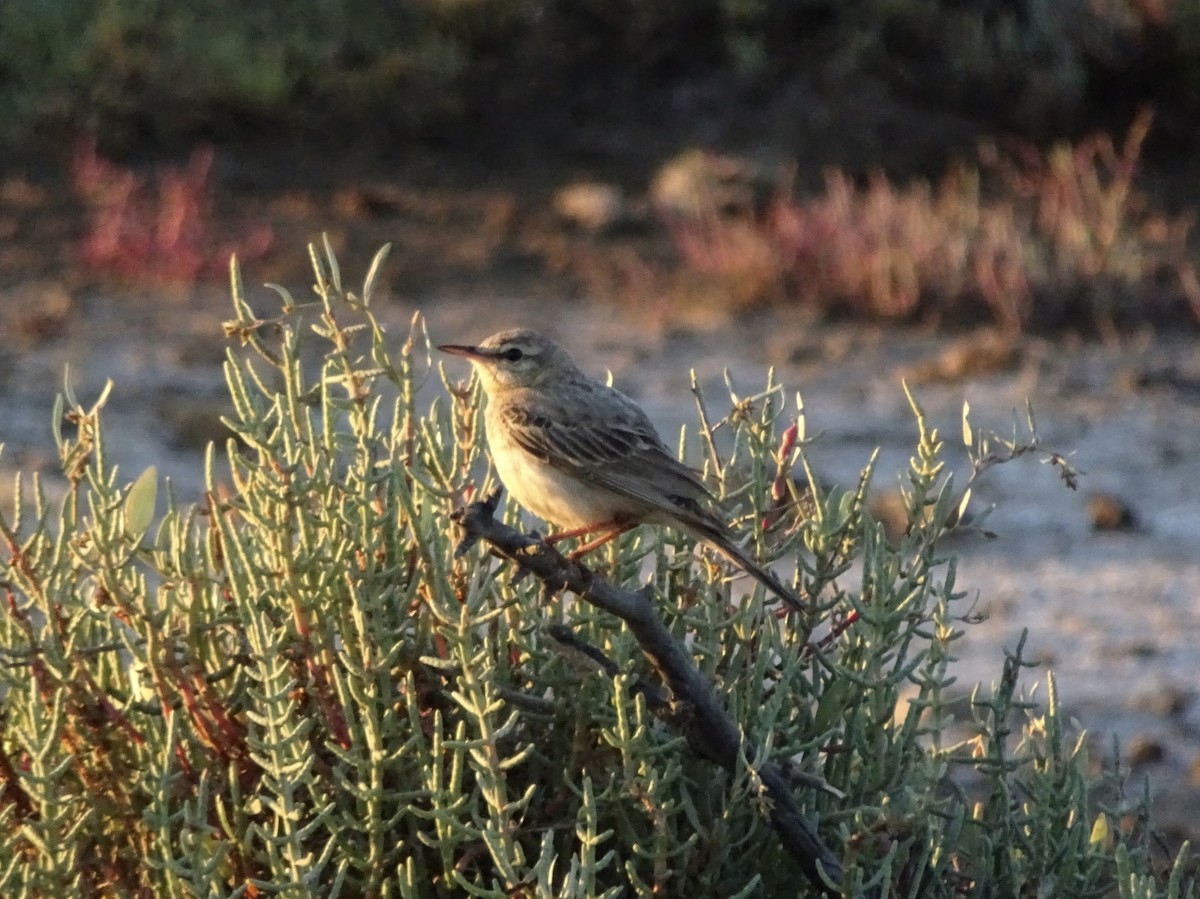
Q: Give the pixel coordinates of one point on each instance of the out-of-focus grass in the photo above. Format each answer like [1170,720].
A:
[1026,238]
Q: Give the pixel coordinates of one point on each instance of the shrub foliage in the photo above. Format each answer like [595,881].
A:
[296,687]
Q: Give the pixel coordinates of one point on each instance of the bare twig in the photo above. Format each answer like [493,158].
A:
[707,430]
[709,730]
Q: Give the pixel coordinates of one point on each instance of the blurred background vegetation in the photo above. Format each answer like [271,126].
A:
[1026,163]
[149,70]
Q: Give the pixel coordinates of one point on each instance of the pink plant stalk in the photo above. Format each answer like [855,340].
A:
[161,230]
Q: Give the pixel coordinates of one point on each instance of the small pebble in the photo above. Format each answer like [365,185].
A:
[1111,513]
[1145,750]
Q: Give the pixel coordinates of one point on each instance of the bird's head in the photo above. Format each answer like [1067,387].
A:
[514,359]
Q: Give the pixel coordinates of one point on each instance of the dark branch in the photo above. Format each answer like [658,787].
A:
[656,698]
[709,730]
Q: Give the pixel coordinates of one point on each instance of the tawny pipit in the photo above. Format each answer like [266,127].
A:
[583,455]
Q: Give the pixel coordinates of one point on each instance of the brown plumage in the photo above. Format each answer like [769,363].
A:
[584,456]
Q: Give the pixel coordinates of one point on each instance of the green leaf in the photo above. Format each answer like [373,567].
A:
[373,273]
[139,505]
[962,506]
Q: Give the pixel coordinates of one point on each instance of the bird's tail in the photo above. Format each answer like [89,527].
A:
[743,560]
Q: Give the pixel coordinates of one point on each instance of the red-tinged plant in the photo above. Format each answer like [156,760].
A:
[162,229]
[1031,238]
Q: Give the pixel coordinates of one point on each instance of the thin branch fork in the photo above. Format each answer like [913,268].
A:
[710,731]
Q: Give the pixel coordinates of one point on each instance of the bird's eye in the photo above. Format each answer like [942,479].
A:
[512,354]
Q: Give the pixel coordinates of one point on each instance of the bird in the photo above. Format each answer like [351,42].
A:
[584,456]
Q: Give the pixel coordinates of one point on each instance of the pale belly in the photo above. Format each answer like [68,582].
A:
[548,493]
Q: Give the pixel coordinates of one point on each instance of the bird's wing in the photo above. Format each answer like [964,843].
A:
[603,437]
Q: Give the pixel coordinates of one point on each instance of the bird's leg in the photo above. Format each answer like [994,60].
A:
[614,531]
[608,530]
[559,536]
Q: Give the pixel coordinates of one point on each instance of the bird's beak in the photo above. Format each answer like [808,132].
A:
[468,352]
